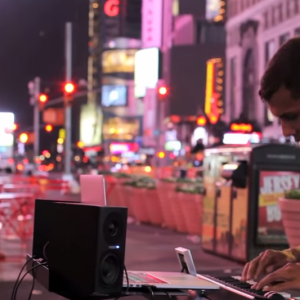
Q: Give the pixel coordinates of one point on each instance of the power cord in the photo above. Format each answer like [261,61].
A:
[127,283]
[33,283]
[44,250]
[203,295]
[150,291]
[22,269]
[28,272]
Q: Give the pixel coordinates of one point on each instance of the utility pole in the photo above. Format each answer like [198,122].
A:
[34,88]
[68,110]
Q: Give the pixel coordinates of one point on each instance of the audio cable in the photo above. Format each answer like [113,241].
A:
[20,281]
[18,278]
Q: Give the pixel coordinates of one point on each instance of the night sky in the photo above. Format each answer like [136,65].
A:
[32,44]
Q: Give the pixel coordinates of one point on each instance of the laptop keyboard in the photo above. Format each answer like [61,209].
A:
[142,278]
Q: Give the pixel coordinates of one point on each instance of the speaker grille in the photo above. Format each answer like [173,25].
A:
[109,270]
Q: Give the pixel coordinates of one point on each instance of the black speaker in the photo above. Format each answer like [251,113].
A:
[42,226]
[87,250]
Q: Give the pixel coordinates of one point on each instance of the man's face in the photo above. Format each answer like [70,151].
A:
[287,109]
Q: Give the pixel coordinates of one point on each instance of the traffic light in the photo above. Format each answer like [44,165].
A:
[43,98]
[69,89]
[161,154]
[23,138]
[48,128]
[201,121]
[80,144]
[162,93]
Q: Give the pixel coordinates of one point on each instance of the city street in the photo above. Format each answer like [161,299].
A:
[147,248]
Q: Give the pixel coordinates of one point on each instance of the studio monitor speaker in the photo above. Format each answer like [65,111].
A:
[87,250]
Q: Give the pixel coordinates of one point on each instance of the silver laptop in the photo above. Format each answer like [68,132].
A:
[93,189]
[171,280]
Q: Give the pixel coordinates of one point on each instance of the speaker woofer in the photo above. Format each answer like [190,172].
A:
[109,269]
[113,230]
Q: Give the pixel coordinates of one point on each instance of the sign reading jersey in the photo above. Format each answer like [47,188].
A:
[152,12]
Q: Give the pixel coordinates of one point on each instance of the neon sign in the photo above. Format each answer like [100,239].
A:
[112,8]
[118,148]
[214,89]
[241,127]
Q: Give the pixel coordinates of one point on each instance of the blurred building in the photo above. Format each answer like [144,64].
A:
[113,114]
[190,36]
[255,30]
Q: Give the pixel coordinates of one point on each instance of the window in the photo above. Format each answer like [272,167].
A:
[273,16]
[269,50]
[232,83]
[287,7]
[266,20]
[283,38]
[296,6]
[280,13]
[297,32]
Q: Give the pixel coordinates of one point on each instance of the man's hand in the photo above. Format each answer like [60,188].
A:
[288,276]
[267,262]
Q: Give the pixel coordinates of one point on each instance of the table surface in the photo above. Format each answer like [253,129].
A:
[19,185]
[11,196]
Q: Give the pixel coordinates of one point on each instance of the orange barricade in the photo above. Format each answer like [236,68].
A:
[192,173]
[54,185]
[44,183]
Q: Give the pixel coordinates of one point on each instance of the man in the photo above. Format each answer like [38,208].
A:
[280,90]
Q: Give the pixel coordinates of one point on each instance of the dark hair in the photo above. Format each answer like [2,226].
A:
[283,70]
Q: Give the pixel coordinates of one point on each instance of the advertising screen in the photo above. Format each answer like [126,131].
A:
[215,10]
[272,185]
[118,61]
[146,72]
[90,125]
[6,134]
[114,95]
[119,148]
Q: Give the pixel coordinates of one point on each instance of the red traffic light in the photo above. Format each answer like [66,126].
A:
[201,121]
[69,88]
[23,138]
[48,128]
[43,98]
[163,91]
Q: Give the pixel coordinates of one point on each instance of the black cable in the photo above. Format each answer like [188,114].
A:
[127,283]
[127,279]
[150,291]
[203,295]
[33,282]
[44,251]
[19,283]
[13,291]
[163,291]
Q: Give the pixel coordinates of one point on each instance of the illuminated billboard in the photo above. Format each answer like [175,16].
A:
[146,71]
[118,128]
[114,95]
[90,125]
[152,22]
[214,89]
[118,61]
[215,10]
[7,121]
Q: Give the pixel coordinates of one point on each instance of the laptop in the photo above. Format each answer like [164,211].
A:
[171,280]
[93,189]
